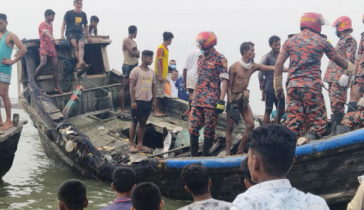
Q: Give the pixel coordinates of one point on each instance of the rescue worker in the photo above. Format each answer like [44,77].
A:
[336,78]
[208,100]
[305,101]
[357,88]
[355,118]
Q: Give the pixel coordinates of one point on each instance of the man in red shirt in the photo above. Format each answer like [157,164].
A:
[208,100]
[47,49]
[336,78]
[304,85]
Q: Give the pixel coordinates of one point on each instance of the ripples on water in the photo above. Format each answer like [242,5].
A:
[32,182]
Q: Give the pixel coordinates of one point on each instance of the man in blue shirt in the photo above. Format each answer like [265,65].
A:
[124,181]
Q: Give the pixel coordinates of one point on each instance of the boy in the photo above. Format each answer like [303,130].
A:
[75,20]
[47,49]
[143,98]
[197,182]
[72,195]
[146,196]
[161,69]
[92,29]
[124,180]
[7,42]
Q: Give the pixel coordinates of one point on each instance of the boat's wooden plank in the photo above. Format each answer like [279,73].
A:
[49,107]
[4,135]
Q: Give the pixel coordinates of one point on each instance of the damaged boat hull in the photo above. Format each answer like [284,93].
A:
[326,168]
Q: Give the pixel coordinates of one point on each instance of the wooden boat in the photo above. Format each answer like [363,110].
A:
[9,140]
[86,134]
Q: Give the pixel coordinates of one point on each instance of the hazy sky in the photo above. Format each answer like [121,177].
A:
[233,21]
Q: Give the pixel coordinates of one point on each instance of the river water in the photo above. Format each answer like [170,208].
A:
[32,182]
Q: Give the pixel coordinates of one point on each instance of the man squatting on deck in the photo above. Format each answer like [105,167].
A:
[238,94]
[74,23]
[7,42]
[305,101]
[208,100]
[47,50]
[143,98]
[131,56]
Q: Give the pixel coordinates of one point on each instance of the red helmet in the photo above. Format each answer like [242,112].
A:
[343,23]
[206,39]
[312,21]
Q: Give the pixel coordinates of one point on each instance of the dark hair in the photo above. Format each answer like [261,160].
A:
[245,46]
[195,176]
[3,17]
[123,179]
[73,194]
[94,18]
[132,29]
[147,53]
[172,60]
[49,12]
[245,169]
[273,39]
[175,70]
[167,36]
[276,145]
[146,196]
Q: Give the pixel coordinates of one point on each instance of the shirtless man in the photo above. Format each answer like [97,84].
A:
[7,42]
[238,94]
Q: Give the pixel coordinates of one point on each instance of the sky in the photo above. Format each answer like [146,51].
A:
[233,22]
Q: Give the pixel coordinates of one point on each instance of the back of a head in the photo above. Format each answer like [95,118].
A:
[167,36]
[245,169]
[73,194]
[276,145]
[273,39]
[124,179]
[146,196]
[49,12]
[132,29]
[195,176]
[245,46]
[94,18]
[3,17]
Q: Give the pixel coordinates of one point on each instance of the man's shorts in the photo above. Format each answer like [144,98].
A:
[240,100]
[160,89]
[5,78]
[127,69]
[271,99]
[79,36]
[144,109]
[50,52]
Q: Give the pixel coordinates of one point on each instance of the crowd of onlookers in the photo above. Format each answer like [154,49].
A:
[270,157]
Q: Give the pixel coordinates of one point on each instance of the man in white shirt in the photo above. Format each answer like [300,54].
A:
[197,182]
[190,71]
[270,157]
[170,86]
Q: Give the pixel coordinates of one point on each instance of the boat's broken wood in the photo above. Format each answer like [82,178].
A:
[94,139]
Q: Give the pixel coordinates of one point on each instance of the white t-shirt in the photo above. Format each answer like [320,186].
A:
[191,66]
[174,89]
[209,204]
[276,195]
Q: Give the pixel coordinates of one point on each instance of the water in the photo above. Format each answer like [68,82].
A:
[32,182]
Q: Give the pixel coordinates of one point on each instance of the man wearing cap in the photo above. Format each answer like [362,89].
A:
[336,78]
[208,100]
[355,118]
[357,88]
[305,101]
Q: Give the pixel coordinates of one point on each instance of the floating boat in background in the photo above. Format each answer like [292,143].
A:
[9,140]
[83,131]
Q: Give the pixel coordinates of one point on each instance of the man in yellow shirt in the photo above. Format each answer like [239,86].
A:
[161,69]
